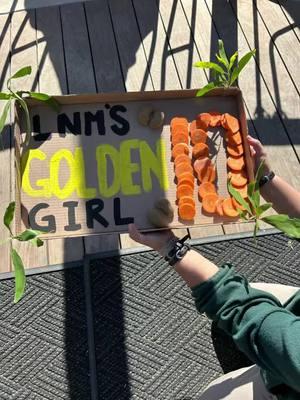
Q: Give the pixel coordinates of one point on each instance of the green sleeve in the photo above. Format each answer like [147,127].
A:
[260,326]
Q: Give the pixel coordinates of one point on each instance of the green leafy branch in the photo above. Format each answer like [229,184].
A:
[225,71]
[29,235]
[252,210]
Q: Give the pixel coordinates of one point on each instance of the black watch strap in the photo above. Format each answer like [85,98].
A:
[266,178]
[178,251]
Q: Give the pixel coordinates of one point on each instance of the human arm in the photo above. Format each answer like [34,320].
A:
[257,322]
[285,198]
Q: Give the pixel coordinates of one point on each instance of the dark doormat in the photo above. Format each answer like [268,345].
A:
[145,341]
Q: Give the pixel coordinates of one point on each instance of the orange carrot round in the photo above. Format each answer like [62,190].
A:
[206,188]
[198,136]
[179,129]
[237,179]
[219,206]
[200,163]
[207,174]
[200,150]
[236,163]
[182,158]
[243,190]
[231,123]
[193,126]
[209,203]
[187,200]
[237,205]
[183,167]
[235,151]
[186,211]
[228,208]
[233,140]
[186,178]
[180,148]
[180,138]
[179,120]
[215,118]
[184,190]
[203,120]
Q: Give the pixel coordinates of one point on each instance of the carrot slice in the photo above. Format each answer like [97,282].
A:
[237,179]
[179,129]
[219,207]
[236,163]
[207,174]
[180,148]
[181,158]
[233,140]
[231,123]
[235,151]
[193,126]
[243,191]
[184,190]
[209,203]
[183,167]
[215,118]
[178,120]
[200,150]
[206,188]
[198,136]
[200,163]
[187,200]
[186,211]
[203,121]
[180,138]
[186,179]
[228,208]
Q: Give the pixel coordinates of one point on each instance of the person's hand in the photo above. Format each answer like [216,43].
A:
[157,240]
[259,155]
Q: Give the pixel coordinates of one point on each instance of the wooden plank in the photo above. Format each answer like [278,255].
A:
[9,6]
[129,43]
[238,228]
[206,231]
[106,61]
[283,38]
[101,243]
[79,63]
[65,250]
[5,152]
[52,72]
[161,65]
[183,48]
[291,12]
[280,66]
[266,118]
[24,52]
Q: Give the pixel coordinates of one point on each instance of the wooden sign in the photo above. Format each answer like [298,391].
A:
[93,168]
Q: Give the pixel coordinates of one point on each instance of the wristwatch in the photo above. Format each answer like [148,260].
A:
[178,250]
[266,178]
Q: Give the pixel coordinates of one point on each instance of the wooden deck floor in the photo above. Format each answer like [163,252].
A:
[133,45]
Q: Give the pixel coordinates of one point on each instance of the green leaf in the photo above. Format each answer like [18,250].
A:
[20,277]
[253,196]
[210,65]
[28,234]
[49,100]
[5,96]
[222,61]
[238,197]
[243,214]
[37,242]
[264,207]
[22,72]
[206,89]
[4,115]
[241,65]
[222,52]
[232,60]
[9,215]
[290,226]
